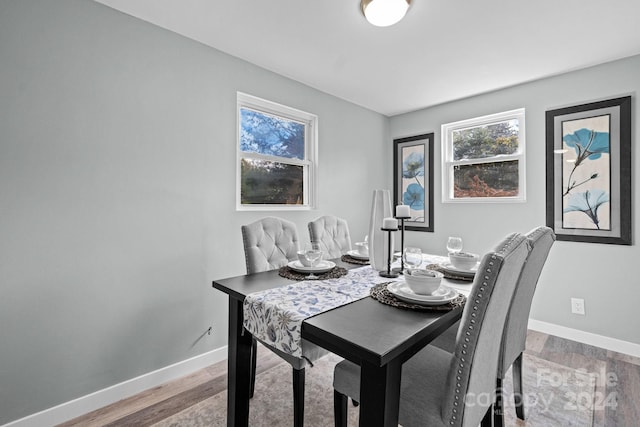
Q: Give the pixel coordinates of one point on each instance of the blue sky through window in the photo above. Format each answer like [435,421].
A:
[274,136]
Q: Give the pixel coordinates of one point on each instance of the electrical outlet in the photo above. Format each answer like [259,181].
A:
[577,306]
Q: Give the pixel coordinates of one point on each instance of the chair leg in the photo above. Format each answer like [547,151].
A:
[340,409]
[488,418]
[254,357]
[517,387]
[298,397]
[498,406]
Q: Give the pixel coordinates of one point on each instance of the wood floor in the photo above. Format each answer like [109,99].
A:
[617,386]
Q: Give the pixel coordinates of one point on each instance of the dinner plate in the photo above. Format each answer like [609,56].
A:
[442,295]
[322,267]
[450,267]
[355,254]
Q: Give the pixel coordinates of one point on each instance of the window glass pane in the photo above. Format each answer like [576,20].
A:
[499,179]
[265,182]
[270,135]
[486,140]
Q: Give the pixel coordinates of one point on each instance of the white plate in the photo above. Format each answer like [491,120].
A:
[448,266]
[442,295]
[322,267]
[355,254]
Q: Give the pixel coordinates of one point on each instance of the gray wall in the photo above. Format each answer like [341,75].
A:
[117,205]
[604,275]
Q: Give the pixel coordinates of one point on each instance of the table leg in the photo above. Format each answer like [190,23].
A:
[380,394]
[239,368]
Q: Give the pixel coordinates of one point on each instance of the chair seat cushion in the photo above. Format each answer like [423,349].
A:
[424,377]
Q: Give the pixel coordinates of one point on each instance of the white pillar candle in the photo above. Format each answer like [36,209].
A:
[390,223]
[402,211]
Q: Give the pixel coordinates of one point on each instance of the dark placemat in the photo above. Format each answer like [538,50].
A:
[450,275]
[289,273]
[351,260]
[381,294]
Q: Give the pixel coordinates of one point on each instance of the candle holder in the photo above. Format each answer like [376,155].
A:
[401,269]
[389,273]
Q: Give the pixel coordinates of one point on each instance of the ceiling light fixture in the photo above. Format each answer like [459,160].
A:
[383,13]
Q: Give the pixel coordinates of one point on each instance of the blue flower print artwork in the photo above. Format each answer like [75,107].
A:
[585,173]
[588,203]
[413,181]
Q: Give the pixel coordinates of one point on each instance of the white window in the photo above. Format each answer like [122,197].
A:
[276,160]
[483,159]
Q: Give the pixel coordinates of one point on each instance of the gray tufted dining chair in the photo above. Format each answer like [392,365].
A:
[333,235]
[515,329]
[439,388]
[271,243]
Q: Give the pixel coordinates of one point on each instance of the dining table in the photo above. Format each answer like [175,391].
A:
[378,337]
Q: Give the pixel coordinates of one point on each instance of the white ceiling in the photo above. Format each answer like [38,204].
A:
[443,49]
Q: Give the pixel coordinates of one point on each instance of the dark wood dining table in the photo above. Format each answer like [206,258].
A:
[378,337]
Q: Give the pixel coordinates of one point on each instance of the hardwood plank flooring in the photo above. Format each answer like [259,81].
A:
[617,386]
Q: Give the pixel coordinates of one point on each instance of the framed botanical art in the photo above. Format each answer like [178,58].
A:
[413,179]
[589,172]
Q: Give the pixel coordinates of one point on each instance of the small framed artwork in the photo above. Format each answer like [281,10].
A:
[413,179]
[589,172]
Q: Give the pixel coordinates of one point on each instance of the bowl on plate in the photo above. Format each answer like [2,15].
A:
[304,261]
[362,248]
[463,260]
[422,281]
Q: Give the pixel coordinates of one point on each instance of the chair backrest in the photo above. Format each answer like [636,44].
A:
[515,330]
[333,235]
[269,243]
[471,382]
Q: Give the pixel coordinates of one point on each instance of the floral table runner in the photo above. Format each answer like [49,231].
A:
[275,316]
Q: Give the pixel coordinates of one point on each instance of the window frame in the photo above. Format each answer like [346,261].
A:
[309,163]
[448,163]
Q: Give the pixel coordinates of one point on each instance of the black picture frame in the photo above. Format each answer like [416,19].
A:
[407,182]
[588,172]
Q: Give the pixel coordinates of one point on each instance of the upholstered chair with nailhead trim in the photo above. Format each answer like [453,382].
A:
[333,235]
[439,388]
[271,243]
[515,330]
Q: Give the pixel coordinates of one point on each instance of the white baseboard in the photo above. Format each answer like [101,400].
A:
[74,408]
[596,340]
